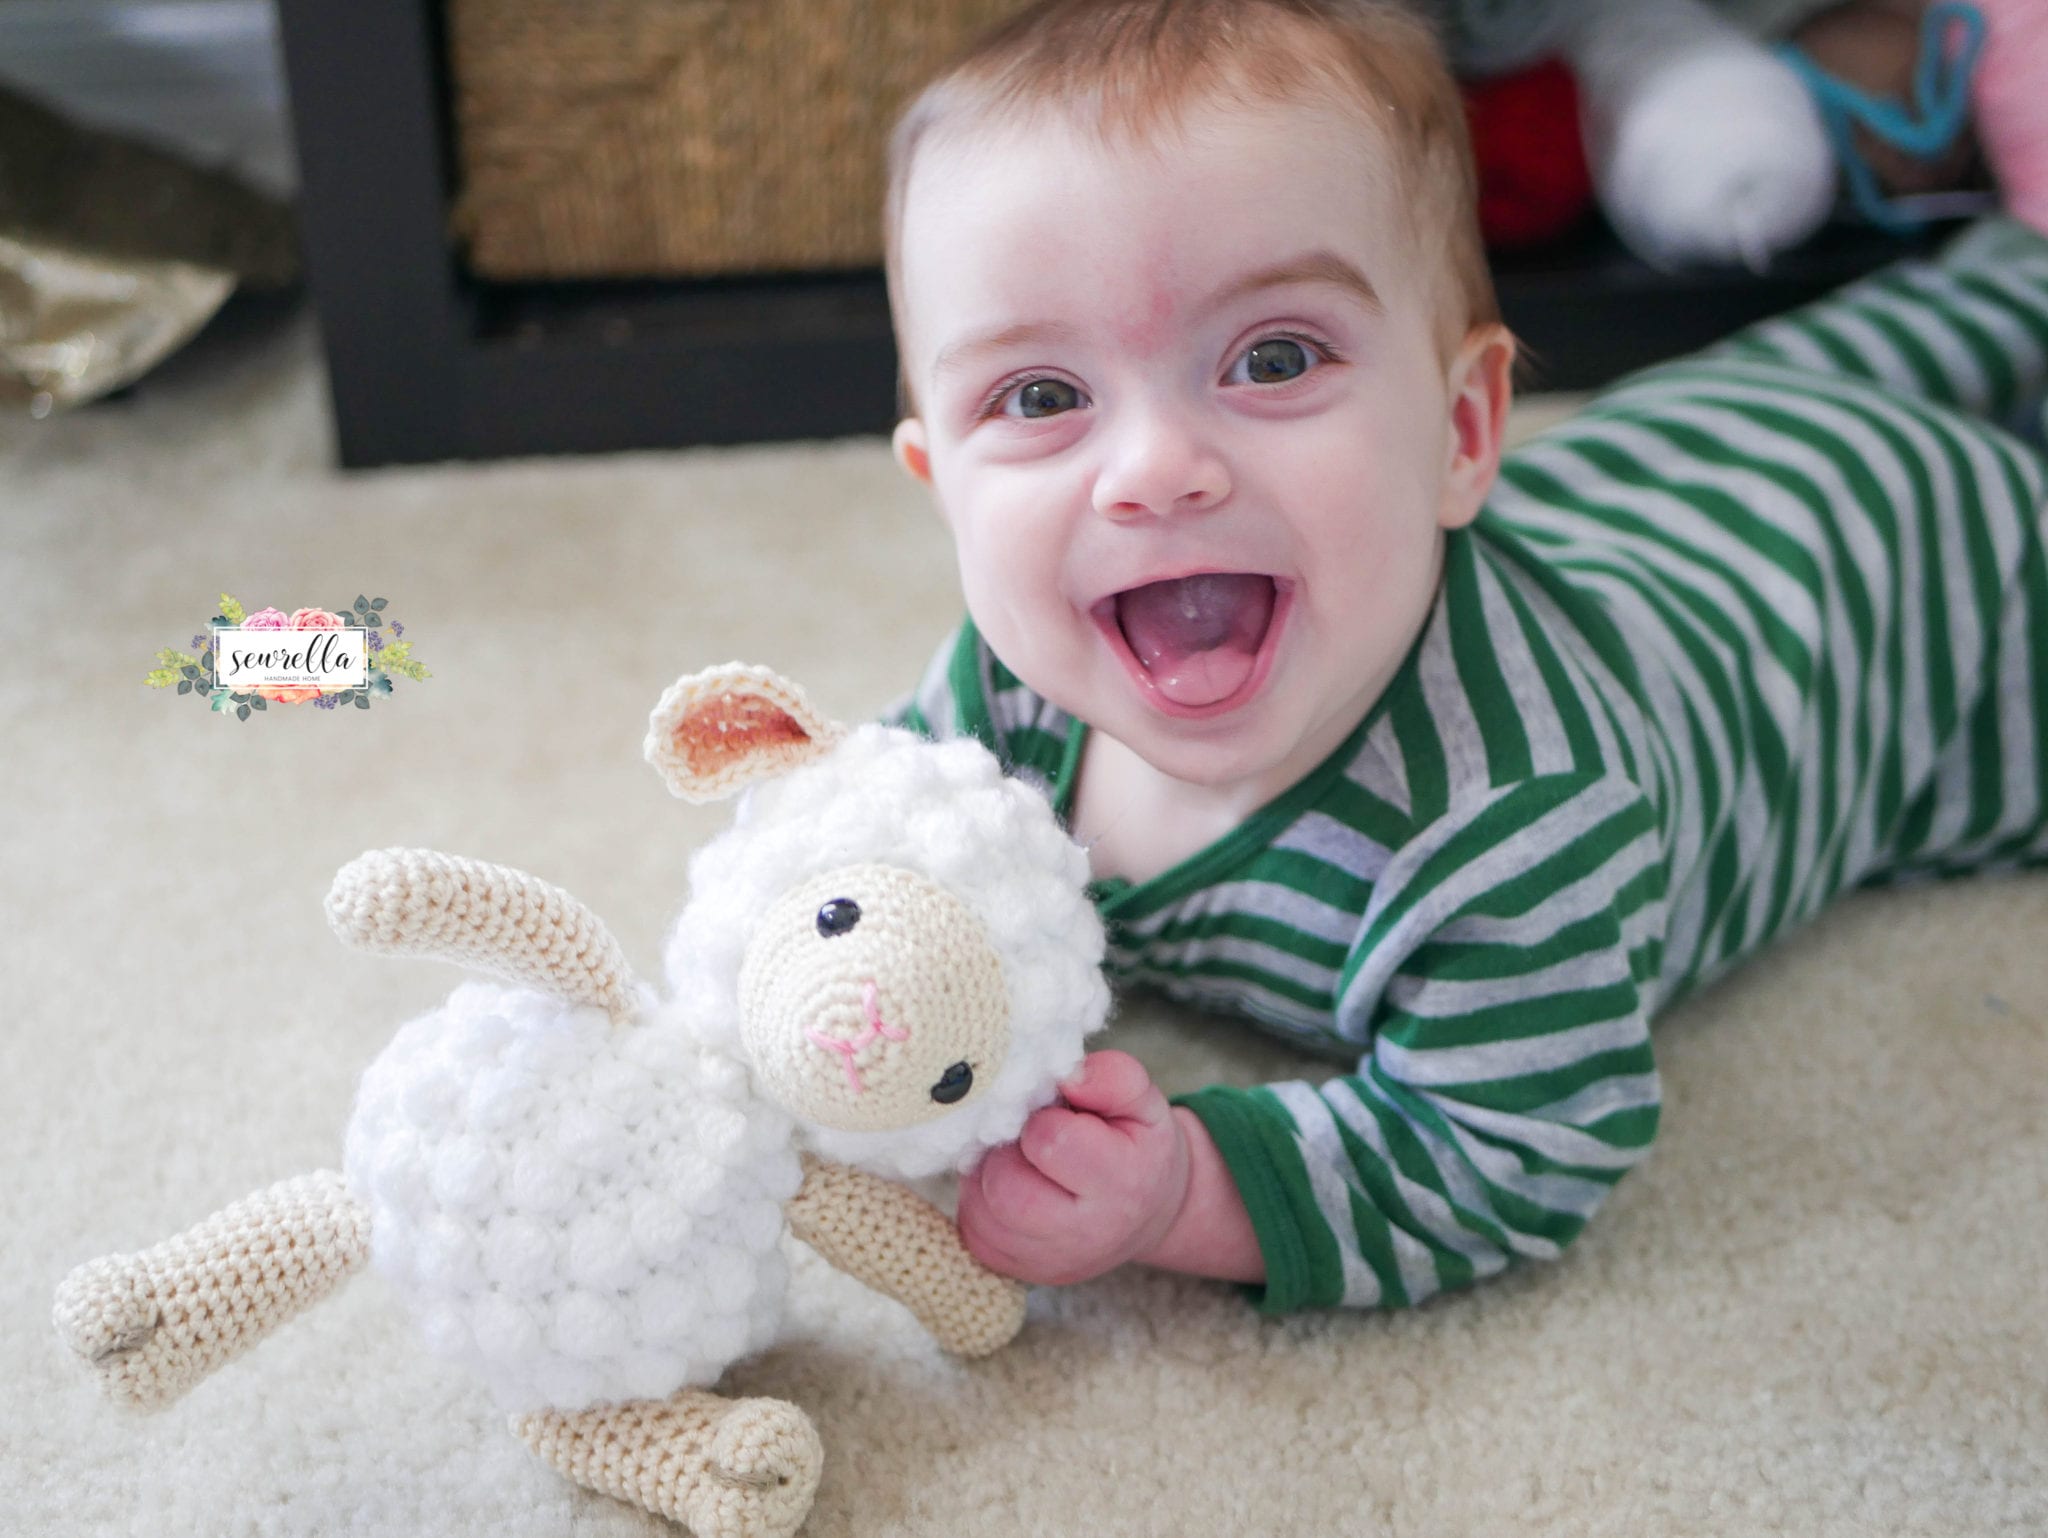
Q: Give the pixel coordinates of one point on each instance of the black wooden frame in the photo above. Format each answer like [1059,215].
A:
[427,363]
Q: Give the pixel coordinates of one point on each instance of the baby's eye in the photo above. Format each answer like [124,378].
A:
[1039,398]
[1275,360]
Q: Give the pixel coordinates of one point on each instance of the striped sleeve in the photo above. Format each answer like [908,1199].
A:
[1967,330]
[967,691]
[930,708]
[1508,1081]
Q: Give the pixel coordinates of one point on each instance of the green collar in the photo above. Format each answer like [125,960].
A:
[1118,898]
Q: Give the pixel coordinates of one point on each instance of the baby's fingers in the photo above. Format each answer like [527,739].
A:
[1077,1150]
[985,1238]
[1014,1195]
[1115,1084]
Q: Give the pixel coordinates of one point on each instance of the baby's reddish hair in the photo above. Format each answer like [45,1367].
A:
[1125,69]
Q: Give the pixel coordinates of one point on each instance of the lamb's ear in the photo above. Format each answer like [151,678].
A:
[717,730]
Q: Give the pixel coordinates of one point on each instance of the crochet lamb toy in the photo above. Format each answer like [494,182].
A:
[578,1188]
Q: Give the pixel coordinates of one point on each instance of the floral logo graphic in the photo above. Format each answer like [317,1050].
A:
[197,672]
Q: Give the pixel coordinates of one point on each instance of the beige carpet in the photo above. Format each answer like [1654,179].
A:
[1818,1309]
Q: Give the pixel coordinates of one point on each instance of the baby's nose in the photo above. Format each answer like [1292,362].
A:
[1162,468]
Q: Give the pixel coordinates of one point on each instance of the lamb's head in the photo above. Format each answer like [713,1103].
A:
[895,935]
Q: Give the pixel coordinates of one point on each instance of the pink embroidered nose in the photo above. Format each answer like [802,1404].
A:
[873,1027]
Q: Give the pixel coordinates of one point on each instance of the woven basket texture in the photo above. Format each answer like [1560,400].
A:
[674,138]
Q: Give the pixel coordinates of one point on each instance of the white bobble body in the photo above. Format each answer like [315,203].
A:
[443,1330]
[426,1098]
[588,1325]
[695,1186]
[666,1305]
[723,1079]
[728,1278]
[565,1380]
[591,1140]
[505,1330]
[447,1254]
[720,1132]
[518,1251]
[500,1098]
[661,1228]
[621,1091]
[653,1374]
[404,1171]
[542,1181]
[665,1054]
[760,1224]
[463,1175]
[722,1337]
[480,1039]
[544,1187]
[601,1254]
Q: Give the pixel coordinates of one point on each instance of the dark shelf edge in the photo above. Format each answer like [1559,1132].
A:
[427,364]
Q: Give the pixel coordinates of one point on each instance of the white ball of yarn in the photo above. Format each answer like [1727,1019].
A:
[1725,160]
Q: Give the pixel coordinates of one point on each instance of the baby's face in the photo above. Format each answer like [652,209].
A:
[1185,412]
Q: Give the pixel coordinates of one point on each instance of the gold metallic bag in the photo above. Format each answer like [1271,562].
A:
[112,254]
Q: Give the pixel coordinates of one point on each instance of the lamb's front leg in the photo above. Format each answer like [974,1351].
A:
[152,1325]
[725,1468]
[899,1244]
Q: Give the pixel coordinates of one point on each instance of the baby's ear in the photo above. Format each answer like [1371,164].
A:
[1481,385]
[911,453]
[717,730]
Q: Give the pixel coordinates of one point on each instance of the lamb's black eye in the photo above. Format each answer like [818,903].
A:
[838,916]
[953,1084]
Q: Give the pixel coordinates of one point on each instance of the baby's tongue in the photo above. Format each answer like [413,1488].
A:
[1199,636]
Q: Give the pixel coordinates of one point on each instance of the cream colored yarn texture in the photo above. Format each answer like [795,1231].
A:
[153,1324]
[418,901]
[724,1468]
[902,1246]
[896,1012]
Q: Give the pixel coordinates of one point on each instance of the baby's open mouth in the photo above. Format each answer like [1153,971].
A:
[1196,638]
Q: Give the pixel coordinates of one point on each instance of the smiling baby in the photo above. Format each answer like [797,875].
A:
[1454,769]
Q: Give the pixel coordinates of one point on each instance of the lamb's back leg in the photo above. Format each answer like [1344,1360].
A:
[724,1468]
[151,1325]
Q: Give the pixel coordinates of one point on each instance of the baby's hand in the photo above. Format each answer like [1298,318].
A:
[1087,1185]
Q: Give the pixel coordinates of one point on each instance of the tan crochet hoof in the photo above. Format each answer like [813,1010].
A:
[739,1468]
[154,1324]
[765,1460]
[106,1312]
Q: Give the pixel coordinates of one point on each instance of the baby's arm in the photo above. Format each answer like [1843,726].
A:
[1509,1084]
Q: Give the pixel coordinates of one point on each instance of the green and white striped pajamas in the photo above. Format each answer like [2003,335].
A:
[1753,628]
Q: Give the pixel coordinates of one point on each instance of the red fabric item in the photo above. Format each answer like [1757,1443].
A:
[1534,183]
